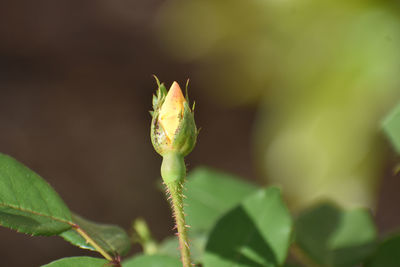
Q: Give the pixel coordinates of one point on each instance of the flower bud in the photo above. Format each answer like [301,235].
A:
[173,128]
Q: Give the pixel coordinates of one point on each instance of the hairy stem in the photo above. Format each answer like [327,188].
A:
[173,172]
[176,195]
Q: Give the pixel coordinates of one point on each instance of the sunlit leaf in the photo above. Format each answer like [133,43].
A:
[210,194]
[255,233]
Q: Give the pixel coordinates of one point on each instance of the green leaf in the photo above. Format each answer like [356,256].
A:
[255,233]
[391,126]
[210,194]
[78,262]
[152,261]
[28,204]
[110,238]
[387,254]
[335,237]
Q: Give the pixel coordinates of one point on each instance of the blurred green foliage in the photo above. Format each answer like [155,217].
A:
[391,125]
[325,71]
[246,226]
[387,253]
[335,237]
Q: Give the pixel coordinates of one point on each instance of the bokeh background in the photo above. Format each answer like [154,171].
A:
[287,92]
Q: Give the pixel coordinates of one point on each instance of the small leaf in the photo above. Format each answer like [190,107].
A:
[391,126]
[336,237]
[110,238]
[387,254]
[152,261]
[78,262]
[210,194]
[255,233]
[28,204]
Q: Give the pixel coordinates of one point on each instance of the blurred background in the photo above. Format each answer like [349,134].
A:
[287,92]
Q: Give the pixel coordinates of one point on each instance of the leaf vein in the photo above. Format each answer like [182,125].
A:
[37,213]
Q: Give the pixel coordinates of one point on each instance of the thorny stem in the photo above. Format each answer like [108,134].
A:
[93,243]
[175,189]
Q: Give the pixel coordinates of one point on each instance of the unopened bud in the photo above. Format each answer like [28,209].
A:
[173,128]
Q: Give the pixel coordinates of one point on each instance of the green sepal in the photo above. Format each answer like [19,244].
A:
[186,134]
[155,100]
[158,137]
[186,91]
[160,97]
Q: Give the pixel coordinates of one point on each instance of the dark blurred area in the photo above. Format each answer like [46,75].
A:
[76,88]
[75,91]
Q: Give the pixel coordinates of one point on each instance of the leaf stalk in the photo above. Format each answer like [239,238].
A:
[90,241]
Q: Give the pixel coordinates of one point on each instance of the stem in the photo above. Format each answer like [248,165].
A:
[93,243]
[173,172]
[301,257]
[176,195]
